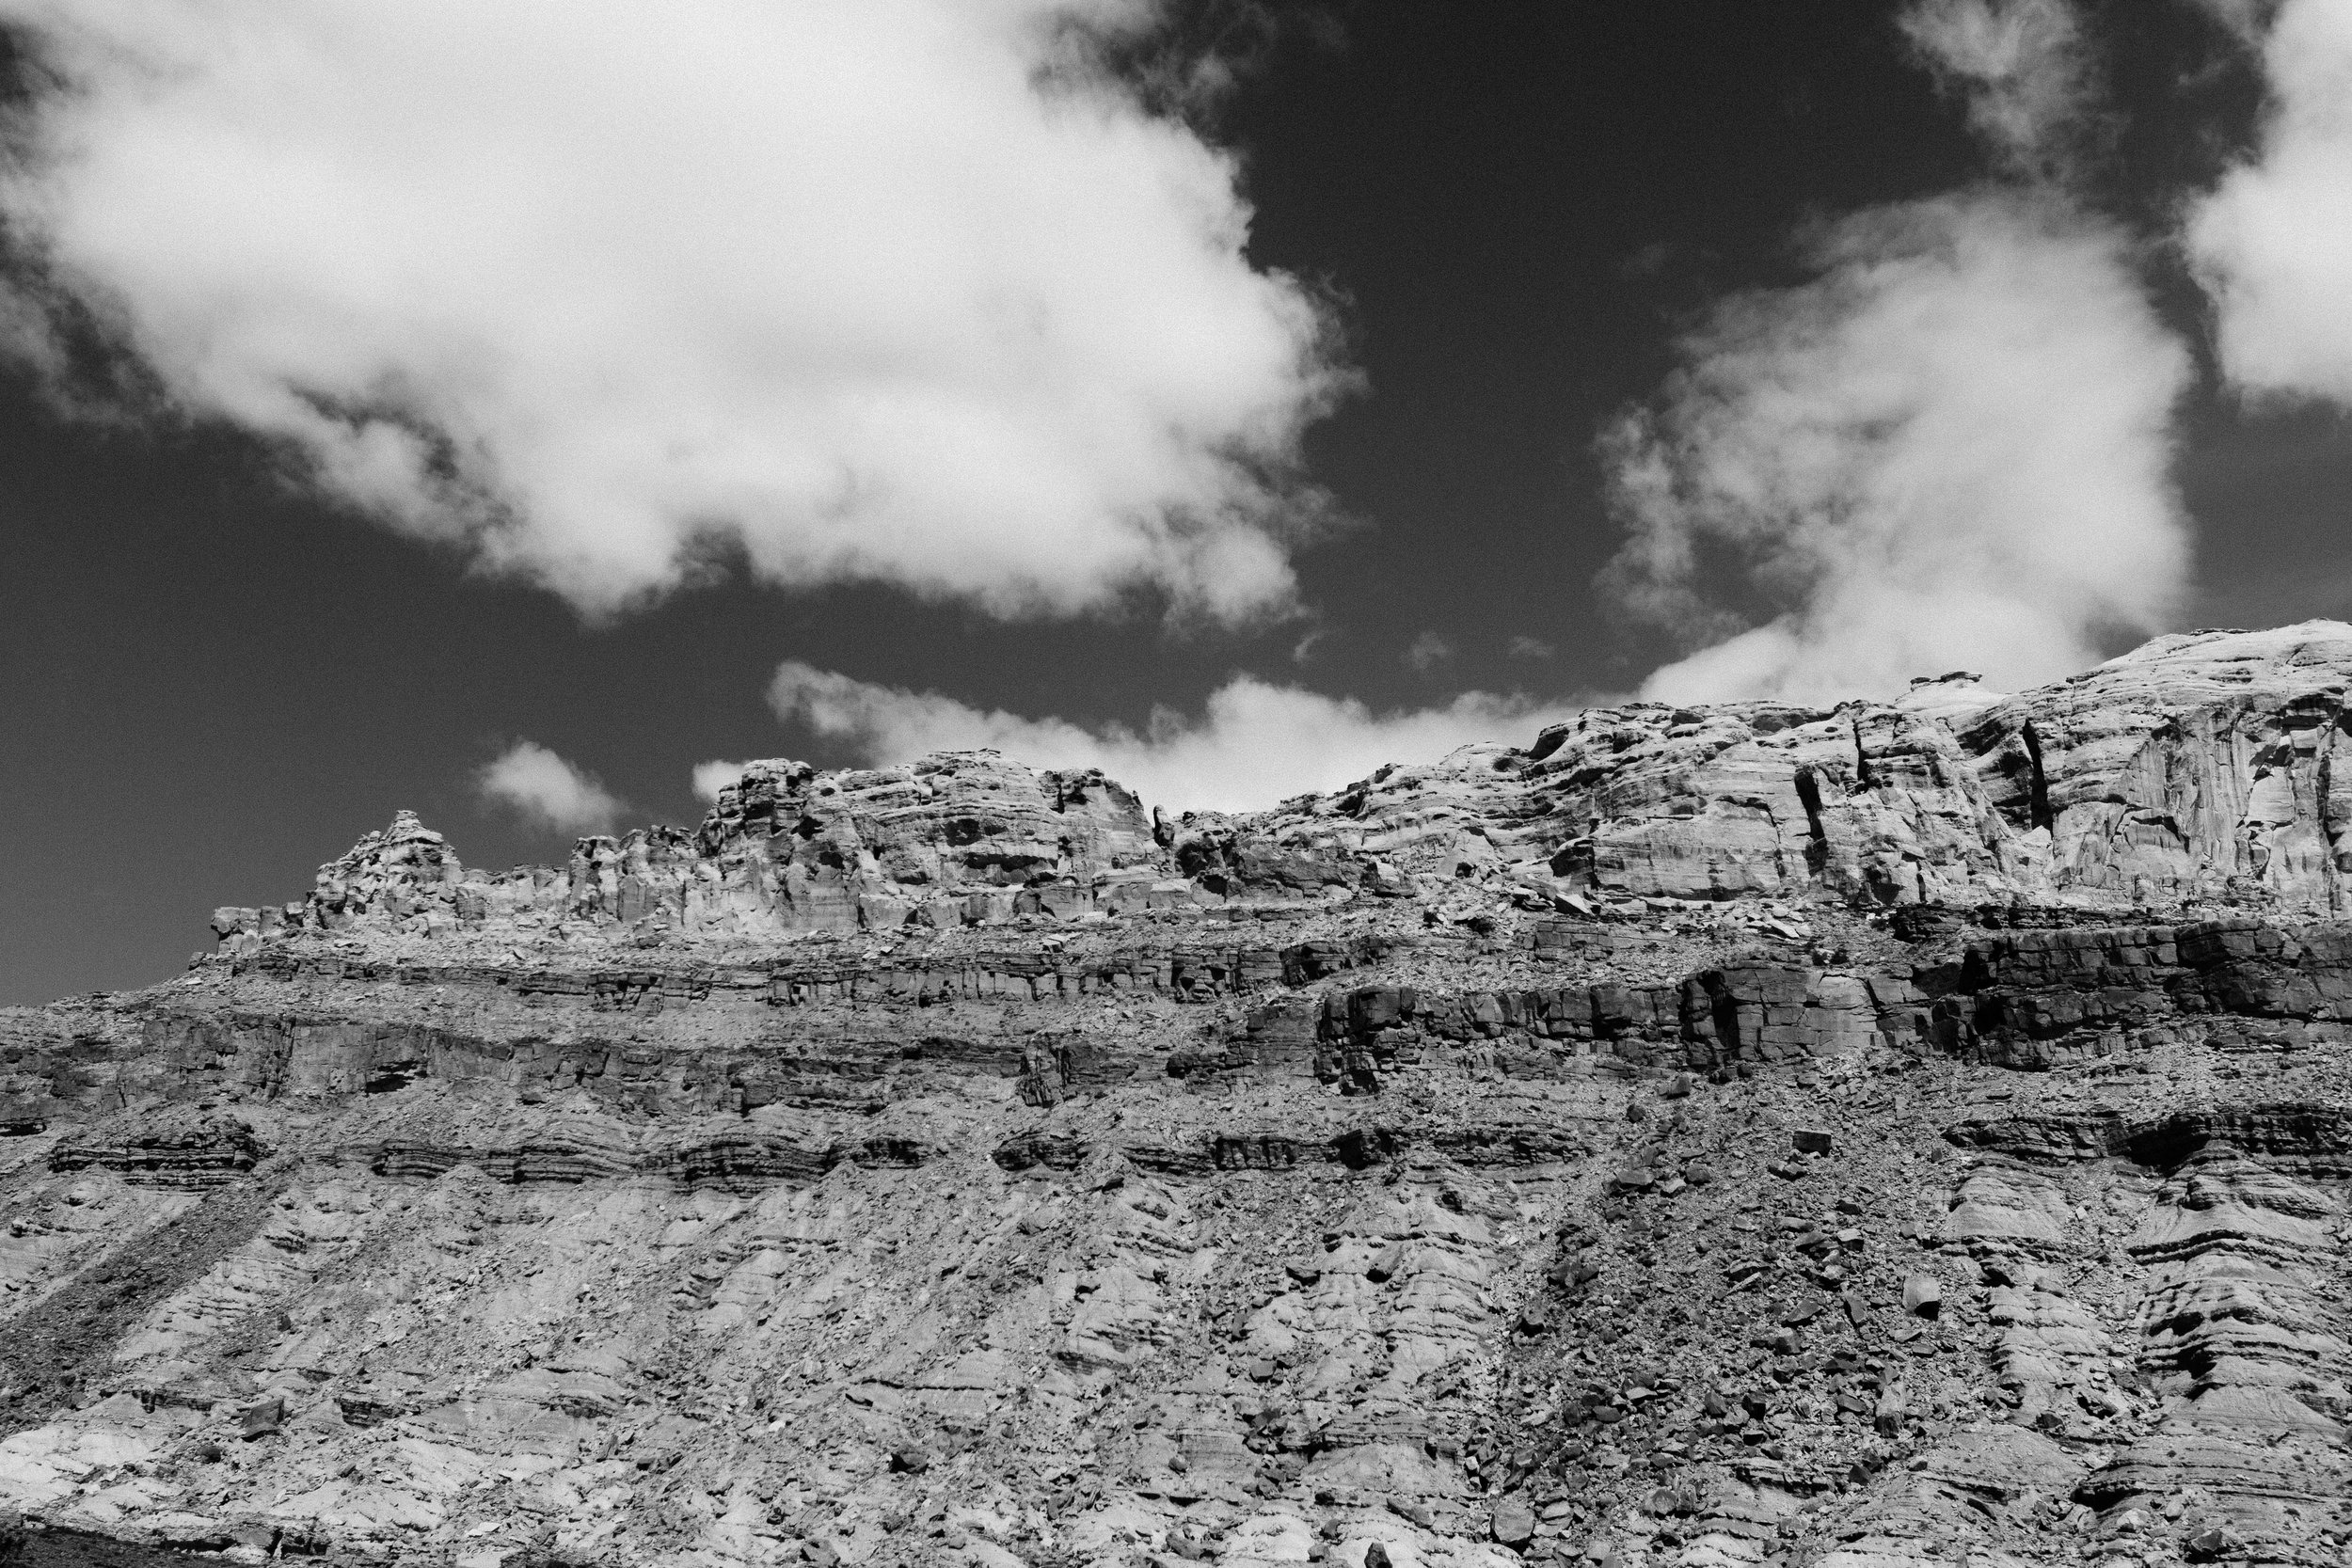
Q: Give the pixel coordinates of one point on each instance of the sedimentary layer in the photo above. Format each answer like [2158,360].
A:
[1906,1133]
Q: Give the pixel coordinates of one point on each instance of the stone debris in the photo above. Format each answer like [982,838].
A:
[1893,1135]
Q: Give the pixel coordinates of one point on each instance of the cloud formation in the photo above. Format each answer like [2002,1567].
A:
[2024,68]
[1427,651]
[549,792]
[712,777]
[2272,243]
[2244,20]
[896,290]
[1950,448]
[1254,745]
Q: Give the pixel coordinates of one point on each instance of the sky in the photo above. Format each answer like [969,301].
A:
[522,415]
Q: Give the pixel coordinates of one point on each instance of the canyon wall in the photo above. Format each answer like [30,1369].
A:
[1905,1134]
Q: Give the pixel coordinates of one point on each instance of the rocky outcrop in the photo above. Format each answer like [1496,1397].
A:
[2199,763]
[2196,767]
[171,1147]
[2244,1340]
[958,837]
[1896,1135]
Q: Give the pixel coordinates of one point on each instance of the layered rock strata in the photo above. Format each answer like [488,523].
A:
[1715,1137]
[2200,765]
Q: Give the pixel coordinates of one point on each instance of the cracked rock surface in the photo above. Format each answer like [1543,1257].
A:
[1906,1135]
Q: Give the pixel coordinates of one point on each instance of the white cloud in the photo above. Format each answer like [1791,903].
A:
[1255,744]
[1524,646]
[549,792]
[1427,650]
[2244,20]
[712,777]
[2273,242]
[1950,448]
[900,289]
[2024,68]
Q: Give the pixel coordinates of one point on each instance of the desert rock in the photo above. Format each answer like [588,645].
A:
[1899,1133]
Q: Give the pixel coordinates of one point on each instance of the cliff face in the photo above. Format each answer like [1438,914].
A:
[1908,1134]
[2198,766]
[964,836]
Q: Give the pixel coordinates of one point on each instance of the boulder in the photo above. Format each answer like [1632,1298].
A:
[264,1418]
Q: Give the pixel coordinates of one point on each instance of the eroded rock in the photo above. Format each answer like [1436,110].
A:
[1590,1151]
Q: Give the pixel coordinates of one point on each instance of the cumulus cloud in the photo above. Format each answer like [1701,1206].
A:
[910,291]
[1253,745]
[549,792]
[712,777]
[2245,20]
[2024,68]
[2272,243]
[1524,646]
[1950,448]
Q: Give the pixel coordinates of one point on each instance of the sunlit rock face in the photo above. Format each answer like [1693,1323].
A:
[1902,1133]
[957,836]
[2201,765]
[2198,766]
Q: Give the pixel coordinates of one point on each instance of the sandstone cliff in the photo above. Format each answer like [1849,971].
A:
[1900,1135]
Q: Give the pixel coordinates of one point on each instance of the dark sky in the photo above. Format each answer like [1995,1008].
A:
[210,682]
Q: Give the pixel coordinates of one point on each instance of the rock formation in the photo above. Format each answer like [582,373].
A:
[1902,1134]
